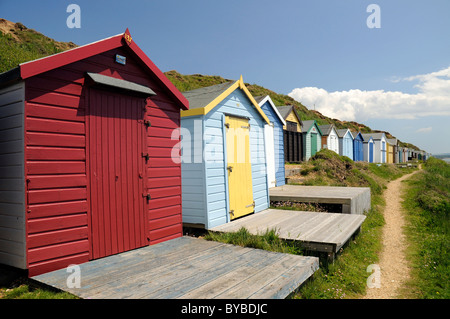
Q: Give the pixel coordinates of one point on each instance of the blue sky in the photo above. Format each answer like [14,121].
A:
[394,78]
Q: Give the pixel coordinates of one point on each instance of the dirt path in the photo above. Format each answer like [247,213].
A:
[393,267]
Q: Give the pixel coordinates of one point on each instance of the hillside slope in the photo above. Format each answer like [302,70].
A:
[19,44]
[195,81]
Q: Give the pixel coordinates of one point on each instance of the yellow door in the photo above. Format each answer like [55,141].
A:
[240,188]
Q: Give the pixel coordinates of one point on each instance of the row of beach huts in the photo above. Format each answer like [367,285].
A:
[303,139]
[100,154]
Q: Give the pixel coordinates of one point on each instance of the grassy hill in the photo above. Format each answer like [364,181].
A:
[19,44]
[195,81]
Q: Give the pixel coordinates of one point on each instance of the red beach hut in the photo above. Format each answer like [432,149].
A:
[86,156]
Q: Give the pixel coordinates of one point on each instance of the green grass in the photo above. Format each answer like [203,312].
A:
[427,203]
[269,240]
[28,45]
[29,291]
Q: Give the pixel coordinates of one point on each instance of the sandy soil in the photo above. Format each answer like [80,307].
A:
[393,267]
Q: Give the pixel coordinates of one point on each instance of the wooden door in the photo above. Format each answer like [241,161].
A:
[270,155]
[117,173]
[370,152]
[240,186]
[313,144]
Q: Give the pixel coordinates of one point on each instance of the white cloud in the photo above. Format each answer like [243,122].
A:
[432,99]
[424,130]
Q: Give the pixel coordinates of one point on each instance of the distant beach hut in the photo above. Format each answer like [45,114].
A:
[312,139]
[330,138]
[274,141]
[293,143]
[368,148]
[358,146]
[345,143]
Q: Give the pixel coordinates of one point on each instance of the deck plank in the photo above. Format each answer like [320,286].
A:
[354,200]
[189,267]
[327,229]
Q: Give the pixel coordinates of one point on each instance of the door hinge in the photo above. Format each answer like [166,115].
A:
[232,212]
[147,123]
[227,125]
[146,156]
[230,168]
[252,204]
[147,196]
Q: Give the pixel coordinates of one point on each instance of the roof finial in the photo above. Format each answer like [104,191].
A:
[127,37]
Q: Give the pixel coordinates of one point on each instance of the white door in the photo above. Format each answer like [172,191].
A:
[333,144]
[270,155]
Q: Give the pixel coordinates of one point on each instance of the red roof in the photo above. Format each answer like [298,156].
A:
[32,68]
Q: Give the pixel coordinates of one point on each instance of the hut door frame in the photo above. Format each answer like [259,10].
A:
[117,172]
[238,164]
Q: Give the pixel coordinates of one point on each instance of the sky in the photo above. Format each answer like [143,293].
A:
[388,67]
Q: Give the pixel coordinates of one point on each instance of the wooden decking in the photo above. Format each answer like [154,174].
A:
[354,200]
[324,232]
[189,267]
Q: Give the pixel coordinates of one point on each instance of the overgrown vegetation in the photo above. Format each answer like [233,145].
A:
[19,44]
[14,286]
[427,203]
[269,240]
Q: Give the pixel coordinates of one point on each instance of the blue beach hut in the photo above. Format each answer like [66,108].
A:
[358,146]
[345,143]
[223,158]
[274,142]
[368,148]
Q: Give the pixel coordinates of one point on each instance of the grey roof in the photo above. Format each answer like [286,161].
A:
[355,134]
[258,99]
[285,110]
[199,98]
[366,136]
[377,136]
[326,129]
[306,125]
[392,141]
[341,132]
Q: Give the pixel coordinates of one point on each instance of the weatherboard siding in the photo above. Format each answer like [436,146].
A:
[278,143]
[193,171]
[12,177]
[358,151]
[346,145]
[379,150]
[57,218]
[368,149]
